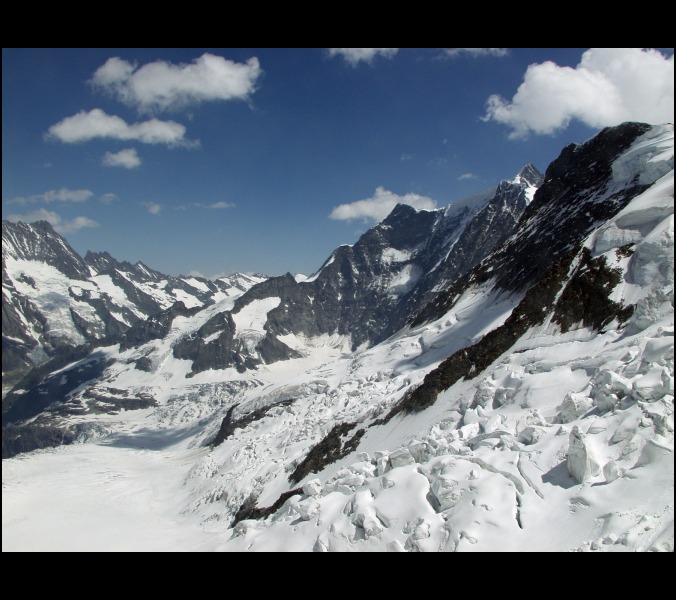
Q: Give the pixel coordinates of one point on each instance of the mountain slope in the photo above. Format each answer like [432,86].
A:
[363,293]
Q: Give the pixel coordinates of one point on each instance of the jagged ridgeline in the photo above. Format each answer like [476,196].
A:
[55,300]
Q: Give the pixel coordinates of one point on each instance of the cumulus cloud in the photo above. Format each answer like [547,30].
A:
[354,56]
[474,52]
[127,158]
[60,195]
[96,124]
[62,226]
[607,87]
[154,208]
[378,206]
[467,176]
[161,85]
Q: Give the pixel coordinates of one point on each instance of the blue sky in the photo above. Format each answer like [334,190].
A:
[218,160]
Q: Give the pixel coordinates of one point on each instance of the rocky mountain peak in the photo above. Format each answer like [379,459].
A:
[530,176]
[39,242]
[100,261]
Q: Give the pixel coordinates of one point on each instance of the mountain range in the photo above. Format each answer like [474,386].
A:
[467,378]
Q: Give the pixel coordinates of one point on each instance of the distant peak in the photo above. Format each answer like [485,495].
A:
[38,226]
[530,176]
[400,209]
[91,255]
[43,225]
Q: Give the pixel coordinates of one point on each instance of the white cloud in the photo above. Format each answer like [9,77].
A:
[607,87]
[96,124]
[378,206]
[220,205]
[467,176]
[127,158]
[62,226]
[109,198]
[474,52]
[161,85]
[405,156]
[60,195]
[356,55]
[154,208]
[216,205]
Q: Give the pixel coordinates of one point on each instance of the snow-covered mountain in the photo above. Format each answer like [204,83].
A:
[55,300]
[418,393]
[363,293]
[360,296]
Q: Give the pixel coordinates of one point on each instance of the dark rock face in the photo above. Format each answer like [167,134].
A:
[487,231]
[272,350]
[154,327]
[229,425]
[52,392]
[329,450]
[144,364]
[112,401]
[16,345]
[369,290]
[103,261]
[573,199]
[142,301]
[585,298]
[33,380]
[16,440]
[249,510]
[215,345]
[221,352]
